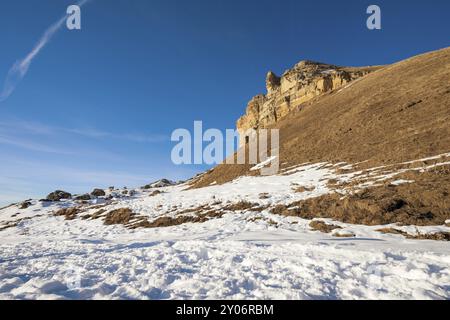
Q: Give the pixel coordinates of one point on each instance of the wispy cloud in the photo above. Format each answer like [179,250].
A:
[20,68]
[14,125]
[30,145]
[94,133]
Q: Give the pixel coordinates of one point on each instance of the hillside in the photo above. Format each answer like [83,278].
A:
[398,113]
[360,208]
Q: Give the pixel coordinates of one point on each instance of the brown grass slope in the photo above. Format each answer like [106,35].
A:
[398,113]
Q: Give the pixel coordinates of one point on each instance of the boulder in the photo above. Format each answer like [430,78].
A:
[83,197]
[58,195]
[25,205]
[160,184]
[98,193]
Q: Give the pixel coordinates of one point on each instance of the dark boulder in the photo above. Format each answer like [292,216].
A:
[58,195]
[25,205]
[83,197]
[98,193]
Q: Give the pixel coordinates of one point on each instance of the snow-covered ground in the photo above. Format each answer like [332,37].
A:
[242,255]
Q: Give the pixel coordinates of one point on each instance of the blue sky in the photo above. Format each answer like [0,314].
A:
[97,106]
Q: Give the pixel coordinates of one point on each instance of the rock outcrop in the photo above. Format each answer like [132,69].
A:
[306,80]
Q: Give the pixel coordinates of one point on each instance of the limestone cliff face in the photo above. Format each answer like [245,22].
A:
[306,80]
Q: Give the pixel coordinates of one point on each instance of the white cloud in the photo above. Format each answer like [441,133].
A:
[30,145]
[20,126]
[20,68]
[94,133]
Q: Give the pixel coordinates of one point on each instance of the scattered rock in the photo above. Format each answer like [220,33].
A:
[155,193]
[159,184]
[83,197]
[58,195]
[25,205]
[98,193]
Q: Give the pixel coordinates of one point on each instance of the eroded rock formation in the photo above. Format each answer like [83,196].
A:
[306,80]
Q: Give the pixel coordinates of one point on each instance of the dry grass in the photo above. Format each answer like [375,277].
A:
[241,206]
[343,234]
[118,216]
[425,202]
[438,236]
[178,220]
[322,226]
[392,231]
[302,189]
[68,213]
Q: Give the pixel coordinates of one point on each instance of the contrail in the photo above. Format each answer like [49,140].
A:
[20,68]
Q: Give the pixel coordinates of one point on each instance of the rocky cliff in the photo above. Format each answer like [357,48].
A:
[306,80]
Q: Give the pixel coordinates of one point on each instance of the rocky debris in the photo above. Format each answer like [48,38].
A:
[58,195]
[305,81]
[155,193]
[98,193]
[83,197]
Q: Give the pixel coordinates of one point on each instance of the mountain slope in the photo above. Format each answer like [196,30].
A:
[398,113]
[360,220]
